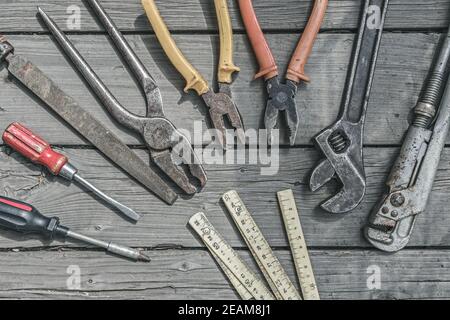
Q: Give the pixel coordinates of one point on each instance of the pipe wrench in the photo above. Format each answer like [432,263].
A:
[411,180]
[342,143]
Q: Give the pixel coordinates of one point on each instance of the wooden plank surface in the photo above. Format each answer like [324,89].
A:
[163,225]
[403,65]
[192,274]
[195,15]
[181,268]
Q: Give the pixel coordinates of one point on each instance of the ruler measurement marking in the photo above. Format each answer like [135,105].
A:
[298,246]
[240,275]
[263,254]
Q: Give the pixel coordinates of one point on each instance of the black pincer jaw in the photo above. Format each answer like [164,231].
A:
[5,48]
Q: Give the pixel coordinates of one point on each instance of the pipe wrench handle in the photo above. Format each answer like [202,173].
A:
[296,69]
[268,67]
[226,64]
[193,78]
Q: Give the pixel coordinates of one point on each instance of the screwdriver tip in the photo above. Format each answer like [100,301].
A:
[144,258]
[130,213]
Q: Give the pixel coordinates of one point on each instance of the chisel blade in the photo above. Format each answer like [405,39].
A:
[88,126]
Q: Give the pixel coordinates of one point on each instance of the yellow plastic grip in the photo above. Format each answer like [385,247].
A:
[226,65]
[193,78]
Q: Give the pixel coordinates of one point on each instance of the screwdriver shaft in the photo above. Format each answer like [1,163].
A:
[110,247]
[122,208]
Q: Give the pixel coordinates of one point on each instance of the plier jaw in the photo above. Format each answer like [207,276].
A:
[221,107]
[172,153]
[281,99]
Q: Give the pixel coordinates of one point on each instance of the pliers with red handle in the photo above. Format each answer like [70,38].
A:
[282,95]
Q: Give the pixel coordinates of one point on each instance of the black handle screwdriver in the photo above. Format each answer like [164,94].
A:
[24,218]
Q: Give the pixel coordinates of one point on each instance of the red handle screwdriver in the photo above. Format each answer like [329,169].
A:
[39,151]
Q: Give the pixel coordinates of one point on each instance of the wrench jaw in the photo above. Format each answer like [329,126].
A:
[390,227]
[344,162]
[348,198]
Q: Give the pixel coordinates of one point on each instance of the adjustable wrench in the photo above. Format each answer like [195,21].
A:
[411,180]
[342,143]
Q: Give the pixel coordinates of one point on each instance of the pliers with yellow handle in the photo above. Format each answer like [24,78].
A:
[220,103]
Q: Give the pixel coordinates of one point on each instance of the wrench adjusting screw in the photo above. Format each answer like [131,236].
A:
[397,200]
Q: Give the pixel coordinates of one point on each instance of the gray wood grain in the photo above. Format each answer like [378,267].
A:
[189,274]
[403,65]
[162,224]
[194,15]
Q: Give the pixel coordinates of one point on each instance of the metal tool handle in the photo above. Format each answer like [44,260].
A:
[34,147]
[193,78]
[226,64]
[296,69]
[362,73]
[125,117]
[23,217]
[146,81]
[267,64]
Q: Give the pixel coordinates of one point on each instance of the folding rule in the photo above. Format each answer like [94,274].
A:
[246,282]
[298,246]
[269,264]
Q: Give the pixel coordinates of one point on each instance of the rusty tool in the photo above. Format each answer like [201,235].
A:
[342,143]
[282,95]
[220,104]
[83,122]
[411,180]
[24,218]
[39,151]
[163,140]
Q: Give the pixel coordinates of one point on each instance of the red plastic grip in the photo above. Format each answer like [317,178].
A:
[33,147]
[268,67]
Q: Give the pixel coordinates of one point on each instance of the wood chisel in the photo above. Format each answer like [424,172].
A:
[298,246]
[267,261]
[240,275]
[83,122]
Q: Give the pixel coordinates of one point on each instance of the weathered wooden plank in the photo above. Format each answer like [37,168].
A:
[193,15]
[188,274]
[404,64]
[162,224]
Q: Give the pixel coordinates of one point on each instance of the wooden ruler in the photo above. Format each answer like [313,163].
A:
[298,246]
[269,264]
[245,281]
